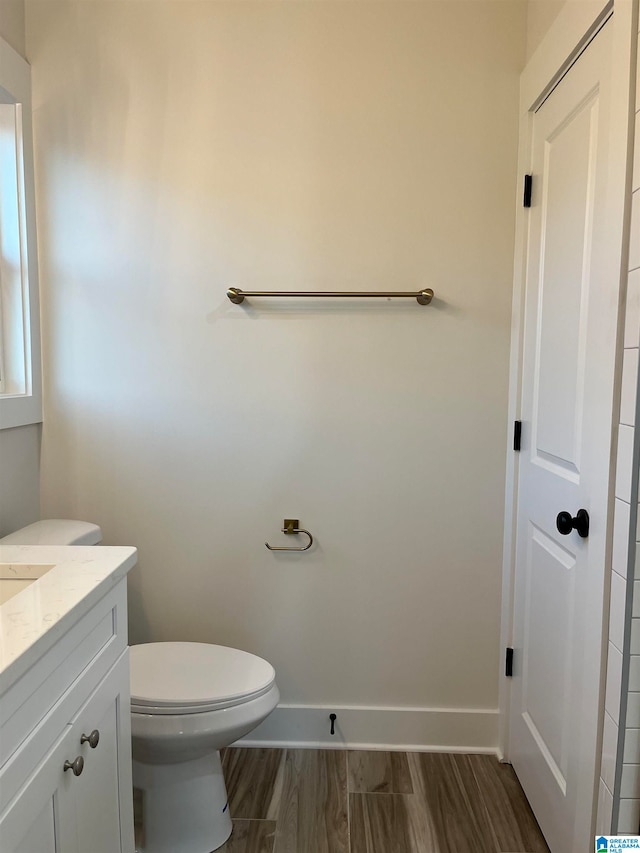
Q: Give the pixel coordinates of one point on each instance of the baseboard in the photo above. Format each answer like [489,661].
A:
[410,729]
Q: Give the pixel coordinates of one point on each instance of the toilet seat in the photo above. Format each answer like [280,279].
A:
[193,678]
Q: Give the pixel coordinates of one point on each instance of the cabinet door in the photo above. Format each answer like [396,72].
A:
[58,812]
[40,819]
[41,835]
[103,802]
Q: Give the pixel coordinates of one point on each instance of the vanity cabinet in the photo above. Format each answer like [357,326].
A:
[85,727]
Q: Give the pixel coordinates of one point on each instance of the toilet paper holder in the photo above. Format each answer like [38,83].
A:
[292,525]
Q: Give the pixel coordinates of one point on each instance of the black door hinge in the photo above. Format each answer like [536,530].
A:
[528,185]
[508,664]
[517,434]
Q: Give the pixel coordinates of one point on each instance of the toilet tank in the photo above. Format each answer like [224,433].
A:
[55,531]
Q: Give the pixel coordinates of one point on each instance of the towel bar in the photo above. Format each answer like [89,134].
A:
[423,297]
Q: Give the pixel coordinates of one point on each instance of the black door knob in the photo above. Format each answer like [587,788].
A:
[580,523]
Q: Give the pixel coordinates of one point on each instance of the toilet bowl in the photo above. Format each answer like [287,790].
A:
[188,701]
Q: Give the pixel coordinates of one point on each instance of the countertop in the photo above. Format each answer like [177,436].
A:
[34,619]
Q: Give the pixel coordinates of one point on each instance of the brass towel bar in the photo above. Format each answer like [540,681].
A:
[423,297]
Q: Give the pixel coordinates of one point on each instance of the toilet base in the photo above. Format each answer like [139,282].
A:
[184,806]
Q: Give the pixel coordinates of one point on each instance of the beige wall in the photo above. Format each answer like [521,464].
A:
[185,147]
[540,15]
[12,19]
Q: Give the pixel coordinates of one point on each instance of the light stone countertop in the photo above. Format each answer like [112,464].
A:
[34,619]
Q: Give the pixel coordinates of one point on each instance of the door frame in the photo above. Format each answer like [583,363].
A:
[573,29]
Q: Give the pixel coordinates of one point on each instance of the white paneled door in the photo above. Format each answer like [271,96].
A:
[570,320]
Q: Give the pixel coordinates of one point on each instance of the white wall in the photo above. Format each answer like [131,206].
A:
[19,448]
[19,477]
[185,147]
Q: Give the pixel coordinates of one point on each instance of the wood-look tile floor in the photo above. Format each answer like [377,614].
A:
[337,801]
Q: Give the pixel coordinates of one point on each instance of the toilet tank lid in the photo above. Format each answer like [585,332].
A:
[55,531]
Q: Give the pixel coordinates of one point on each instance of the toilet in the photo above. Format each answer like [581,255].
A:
[188,701]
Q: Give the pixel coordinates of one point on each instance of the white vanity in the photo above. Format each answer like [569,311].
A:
[65,730]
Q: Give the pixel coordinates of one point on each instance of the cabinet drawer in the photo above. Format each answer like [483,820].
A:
[49,695]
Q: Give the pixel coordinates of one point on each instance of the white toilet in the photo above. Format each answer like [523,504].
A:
[188,701]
